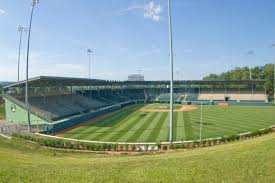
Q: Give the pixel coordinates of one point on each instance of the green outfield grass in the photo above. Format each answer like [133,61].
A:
[131,125]
[250,161]
[2,111]
[161,106]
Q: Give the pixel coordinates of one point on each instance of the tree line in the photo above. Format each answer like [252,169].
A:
[265,72]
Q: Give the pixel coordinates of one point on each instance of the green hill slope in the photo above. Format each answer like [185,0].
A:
[245,161]
[2,111]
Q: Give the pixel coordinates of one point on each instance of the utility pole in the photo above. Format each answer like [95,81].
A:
[171,73]
[89,51]
[21,29]
[34,2]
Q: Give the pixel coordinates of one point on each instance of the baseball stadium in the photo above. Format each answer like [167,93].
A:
[137,91]
[138,111]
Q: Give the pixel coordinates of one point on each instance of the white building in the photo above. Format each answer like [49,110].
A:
[136,77]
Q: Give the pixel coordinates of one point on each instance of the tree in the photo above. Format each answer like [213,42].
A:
[265,72]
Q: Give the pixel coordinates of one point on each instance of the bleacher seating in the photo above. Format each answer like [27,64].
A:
[233,95]
[192,94]
[166,97]
[57,107]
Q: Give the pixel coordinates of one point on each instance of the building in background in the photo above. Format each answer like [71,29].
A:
[136,77]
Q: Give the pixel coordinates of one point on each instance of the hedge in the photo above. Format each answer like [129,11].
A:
[67,144]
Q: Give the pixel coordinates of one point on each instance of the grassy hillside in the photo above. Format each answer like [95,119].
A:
[2,111]
[246,161]
[131,125]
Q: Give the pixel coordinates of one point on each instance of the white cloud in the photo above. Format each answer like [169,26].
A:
[2,11]
[152,11]
[130,8]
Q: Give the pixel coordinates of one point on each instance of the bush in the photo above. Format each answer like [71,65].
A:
[60,143]
[179,146]
[164,147]
[133,147]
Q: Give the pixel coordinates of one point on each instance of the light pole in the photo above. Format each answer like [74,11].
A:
[89,51]
[251,52]
[171,72]
[21,29]
[34,2]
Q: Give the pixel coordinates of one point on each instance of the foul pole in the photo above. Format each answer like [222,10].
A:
[201,124]
[171,73]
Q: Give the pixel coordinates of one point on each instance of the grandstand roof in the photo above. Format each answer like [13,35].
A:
[67,81]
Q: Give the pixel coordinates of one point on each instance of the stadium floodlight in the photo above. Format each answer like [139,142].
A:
[34,2]
[21,29]
[250,52]
[171,73]
[89,51]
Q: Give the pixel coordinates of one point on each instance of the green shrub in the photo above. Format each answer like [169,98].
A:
[165,147]
[133,147]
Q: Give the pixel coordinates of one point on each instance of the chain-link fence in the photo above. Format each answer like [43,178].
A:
[7,128]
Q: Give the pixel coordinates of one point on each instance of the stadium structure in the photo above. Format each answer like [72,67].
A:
[59,103]
[136,77]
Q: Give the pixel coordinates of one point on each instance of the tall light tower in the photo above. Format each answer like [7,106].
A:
[250,52]
[171,73]
[34,2]
[21,29]
[89,51]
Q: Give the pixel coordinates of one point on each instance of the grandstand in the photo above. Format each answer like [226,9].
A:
[238,95]
[62,102]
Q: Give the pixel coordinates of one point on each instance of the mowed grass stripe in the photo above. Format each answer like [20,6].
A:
[229,124]
[233,123]
[216,118]
[99,135]
[93,131]
[142,128]
[163,133]
[157,128]
[130,125]
[134,128]
[180,128]
[188,126]
[217,121]
[93,126]
[175,125]
[150,128]
[99,125]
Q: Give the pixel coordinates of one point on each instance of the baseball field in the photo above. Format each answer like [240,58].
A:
[150,123]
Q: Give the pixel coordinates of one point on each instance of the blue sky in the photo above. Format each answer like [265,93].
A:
[128,35]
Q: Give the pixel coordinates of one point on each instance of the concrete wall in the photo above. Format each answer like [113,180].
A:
[18,115]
